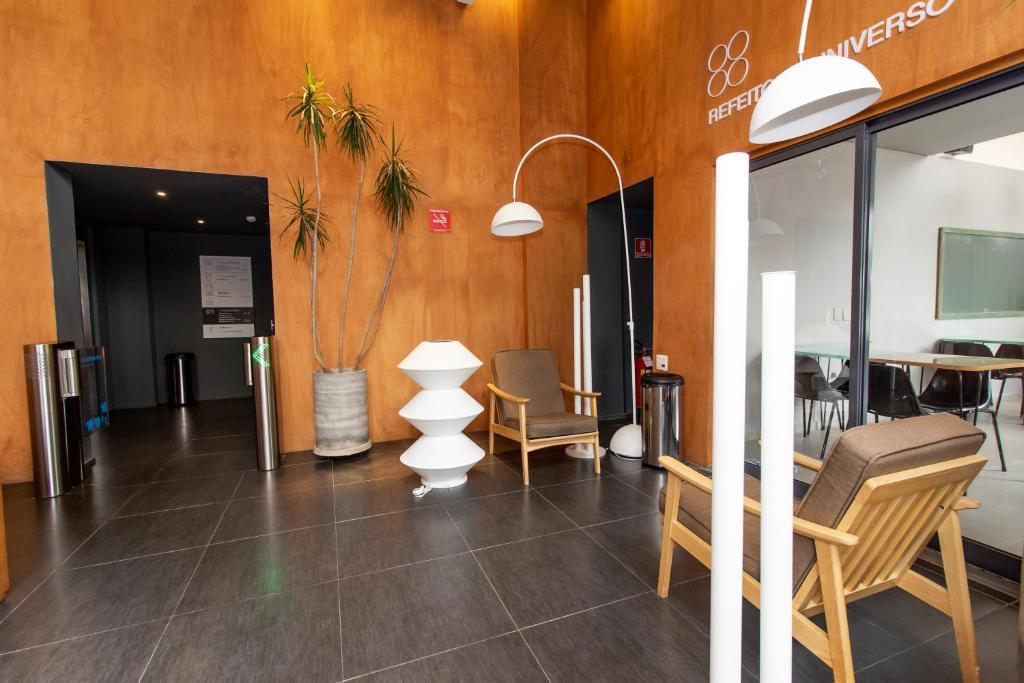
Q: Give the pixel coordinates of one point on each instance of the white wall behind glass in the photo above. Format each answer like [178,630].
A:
[914,197]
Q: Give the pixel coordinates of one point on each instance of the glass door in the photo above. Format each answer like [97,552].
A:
[801,219]
[947,277]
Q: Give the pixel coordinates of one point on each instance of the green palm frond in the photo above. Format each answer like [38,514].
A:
[397,187]
[302,216]
[356,127]
[311,108]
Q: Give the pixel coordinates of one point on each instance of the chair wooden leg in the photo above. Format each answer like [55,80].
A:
[596,445]
[951,545]
[667,549]
[832,595]
[526,464]
[490,428]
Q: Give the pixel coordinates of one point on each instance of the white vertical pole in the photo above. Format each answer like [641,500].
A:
[778,322]
[577,362]
[728,419]
[588,352]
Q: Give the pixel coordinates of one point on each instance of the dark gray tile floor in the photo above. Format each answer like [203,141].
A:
[179,561]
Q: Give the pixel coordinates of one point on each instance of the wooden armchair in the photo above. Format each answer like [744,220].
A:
[527,406]
[878,498]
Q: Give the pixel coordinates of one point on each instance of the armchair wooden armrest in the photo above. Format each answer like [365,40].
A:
[807,461]
[576,392]
[966,503]
[807,529]
[803,460]
[506,396]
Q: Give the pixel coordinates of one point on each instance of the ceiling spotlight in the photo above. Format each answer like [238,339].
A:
[250,219]
[200,221]
[161,193]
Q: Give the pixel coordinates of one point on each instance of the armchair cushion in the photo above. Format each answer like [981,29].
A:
[532,374]
[556,424]
[695,515]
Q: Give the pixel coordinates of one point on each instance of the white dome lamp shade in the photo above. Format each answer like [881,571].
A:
[812,95]
[516,219]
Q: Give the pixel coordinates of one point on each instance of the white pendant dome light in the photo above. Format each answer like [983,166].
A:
[811,95]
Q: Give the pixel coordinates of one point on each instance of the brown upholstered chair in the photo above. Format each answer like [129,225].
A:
[882,493]
[527,405]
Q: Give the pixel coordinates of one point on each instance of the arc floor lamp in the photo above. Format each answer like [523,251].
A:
[519,218]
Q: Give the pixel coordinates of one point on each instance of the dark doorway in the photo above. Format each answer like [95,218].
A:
[606,264]
[129,246]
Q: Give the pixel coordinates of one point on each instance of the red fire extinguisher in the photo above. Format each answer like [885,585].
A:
[643,363]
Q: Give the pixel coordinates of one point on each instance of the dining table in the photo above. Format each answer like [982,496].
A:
[934,361]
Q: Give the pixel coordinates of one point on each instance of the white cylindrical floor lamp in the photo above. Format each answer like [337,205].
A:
[577,349]
[583,364]
[588,349]
[778,325]
[728,419]
[519,218]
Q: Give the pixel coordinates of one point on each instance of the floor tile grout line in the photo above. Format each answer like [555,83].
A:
[81,636]
[218,605]
[560,511]
[337,567]
[188,583]
[496,594]
[618,478]
[682,614]
[61,564]
[482,570]
[616,558]
[588,609]
[132,558]
[533,654]
[433,654]
[176,509]
[584,531]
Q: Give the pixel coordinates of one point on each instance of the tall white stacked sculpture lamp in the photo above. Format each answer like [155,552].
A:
[441,410]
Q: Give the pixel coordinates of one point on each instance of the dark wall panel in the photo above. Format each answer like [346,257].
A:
[177,311]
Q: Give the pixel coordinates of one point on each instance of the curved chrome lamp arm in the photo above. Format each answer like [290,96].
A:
[625,243]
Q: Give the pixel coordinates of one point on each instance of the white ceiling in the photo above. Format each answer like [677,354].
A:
[1007,152]
[992,118]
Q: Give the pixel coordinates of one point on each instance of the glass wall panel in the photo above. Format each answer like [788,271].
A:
[801,219]
[951,185]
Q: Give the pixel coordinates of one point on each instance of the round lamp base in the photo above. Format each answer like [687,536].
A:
[628,442]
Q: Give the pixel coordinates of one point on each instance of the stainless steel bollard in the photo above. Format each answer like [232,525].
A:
[259,373]
[53,388]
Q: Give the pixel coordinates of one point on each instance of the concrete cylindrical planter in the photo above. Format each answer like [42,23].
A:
[340,408]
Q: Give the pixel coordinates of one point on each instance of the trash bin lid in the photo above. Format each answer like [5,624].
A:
[176,356]
[661,379]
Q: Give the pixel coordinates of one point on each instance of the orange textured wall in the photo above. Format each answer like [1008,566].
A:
[196,85]
[647,101]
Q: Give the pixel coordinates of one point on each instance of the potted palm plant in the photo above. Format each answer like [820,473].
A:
[340,393]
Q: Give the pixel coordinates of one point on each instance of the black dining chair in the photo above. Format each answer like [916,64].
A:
[962,393]
[810,384]
[890,393]
[1014,351]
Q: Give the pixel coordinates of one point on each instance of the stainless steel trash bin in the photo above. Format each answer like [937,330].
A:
[662,394]
[180,389]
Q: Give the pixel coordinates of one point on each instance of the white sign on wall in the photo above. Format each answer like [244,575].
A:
[728,62]
[226,283]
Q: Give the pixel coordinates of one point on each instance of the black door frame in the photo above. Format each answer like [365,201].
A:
[864,135]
